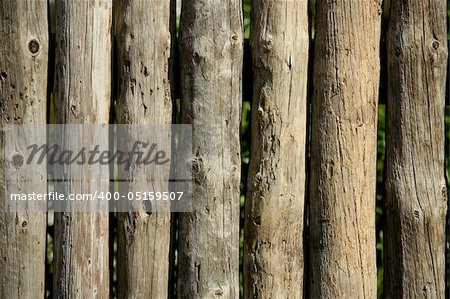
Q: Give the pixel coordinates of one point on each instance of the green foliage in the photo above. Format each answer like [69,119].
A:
[381,153]
[245,155]
[247,10]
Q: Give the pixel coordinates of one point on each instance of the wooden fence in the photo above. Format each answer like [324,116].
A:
[309,216]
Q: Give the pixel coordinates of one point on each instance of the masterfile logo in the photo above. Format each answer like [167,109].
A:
[80,167]
[144,152]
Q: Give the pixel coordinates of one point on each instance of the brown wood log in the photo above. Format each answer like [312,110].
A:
[416,199]
[143,50]
[343,149]
[273,251]
[23,100]
[211,38]
[82,96]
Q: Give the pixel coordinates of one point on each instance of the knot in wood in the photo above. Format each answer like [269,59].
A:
[234,39]
[17,160]
[33,46]
[435,44]
[269,43]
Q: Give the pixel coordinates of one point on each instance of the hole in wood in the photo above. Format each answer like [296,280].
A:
[17,160]
[33,46]
[435,45]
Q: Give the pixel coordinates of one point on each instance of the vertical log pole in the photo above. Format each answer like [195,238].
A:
[143,50]
[23,95]
[211,38]
[343,149]
[416,200]
[273,251]
[82,96]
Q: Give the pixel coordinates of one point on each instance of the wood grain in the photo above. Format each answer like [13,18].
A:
[82,96]
[274,207]
[343,149]
[416,199]
[143,50]
[23,100]
[211,90]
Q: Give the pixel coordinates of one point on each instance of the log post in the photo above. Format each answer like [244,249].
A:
[82,96]
[273,251]
[143,50]
[23,100]
[416,199]
[211,38]
[343,149]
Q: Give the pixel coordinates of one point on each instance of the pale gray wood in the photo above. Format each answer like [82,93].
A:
[343,149]
[23,95]
[416,199]
[143,50]
[273,251]
[211,65]
[82,96]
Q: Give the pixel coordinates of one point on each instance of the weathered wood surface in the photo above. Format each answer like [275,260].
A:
[273,251]
[82,96]
[416,199]
[143,50]
[211,90]
[23,98]
[343,150]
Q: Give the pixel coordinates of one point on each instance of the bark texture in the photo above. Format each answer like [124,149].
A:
[23,95]
[82,96]
[343,149]
[143,50]
[416,200]
[211,66]
[273,251]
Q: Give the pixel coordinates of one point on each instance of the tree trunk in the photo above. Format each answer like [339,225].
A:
[82,96]
[23,99]
[143,50]
[273,251]
[343,149]
[416,200]
[211,89]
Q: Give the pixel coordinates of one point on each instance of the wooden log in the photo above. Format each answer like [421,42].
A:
[211,38]
[23,100]
[143,50]
[343,149]
[416,199]
[82,96]
[273,251]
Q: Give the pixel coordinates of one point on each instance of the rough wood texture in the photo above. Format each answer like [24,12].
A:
[143,50]
[211,66]
[343,149]
[23,94]
[416,200]
[273,251]
[82,96]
